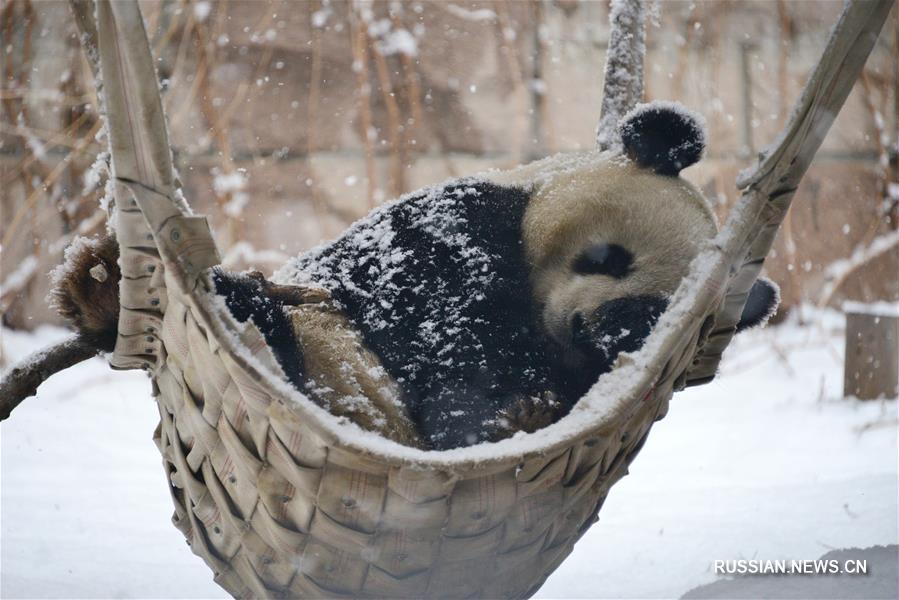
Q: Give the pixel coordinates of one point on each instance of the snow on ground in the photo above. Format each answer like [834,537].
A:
[766,462]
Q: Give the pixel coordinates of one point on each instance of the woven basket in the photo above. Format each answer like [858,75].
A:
[281,499]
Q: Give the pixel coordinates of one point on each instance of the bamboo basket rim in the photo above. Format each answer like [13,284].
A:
[603,409]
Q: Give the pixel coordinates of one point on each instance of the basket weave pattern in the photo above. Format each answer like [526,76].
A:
[277,510]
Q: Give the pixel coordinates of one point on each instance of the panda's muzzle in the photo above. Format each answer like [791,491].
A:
[620,325]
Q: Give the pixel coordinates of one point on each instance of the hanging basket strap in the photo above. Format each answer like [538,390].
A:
[160,242]
[769,188]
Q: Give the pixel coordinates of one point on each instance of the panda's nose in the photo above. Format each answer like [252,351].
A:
[620,325]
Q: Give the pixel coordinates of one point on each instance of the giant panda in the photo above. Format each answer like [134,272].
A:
[512,292]
[494,302]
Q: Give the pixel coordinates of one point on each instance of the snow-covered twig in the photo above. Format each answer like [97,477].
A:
[16,281]
[36,193]
[359,46]
[837,272]
[506,38]
[483,14]
[411,88]
[318,18]
[83,11]
[394,126]
[887,173]
[25,377]
[541,124]
[623,85]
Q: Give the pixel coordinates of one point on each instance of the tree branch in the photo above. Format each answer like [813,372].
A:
[623,82]
[83,11]
[24,379]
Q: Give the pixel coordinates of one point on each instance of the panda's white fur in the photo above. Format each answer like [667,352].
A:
[582,199]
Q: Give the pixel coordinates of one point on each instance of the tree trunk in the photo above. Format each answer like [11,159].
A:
[871,368]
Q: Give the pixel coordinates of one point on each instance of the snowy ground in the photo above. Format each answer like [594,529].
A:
[767,462]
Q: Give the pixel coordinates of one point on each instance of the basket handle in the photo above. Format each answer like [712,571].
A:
[163,247]
[768,189]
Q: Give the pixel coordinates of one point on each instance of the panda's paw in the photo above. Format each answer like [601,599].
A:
[527,413]
[663,136]
[290,295]
[761,304]
[85,290]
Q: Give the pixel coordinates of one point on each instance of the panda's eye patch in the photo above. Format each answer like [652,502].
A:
[604,259]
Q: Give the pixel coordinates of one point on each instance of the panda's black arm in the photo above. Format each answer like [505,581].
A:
[251,296]
[289,295]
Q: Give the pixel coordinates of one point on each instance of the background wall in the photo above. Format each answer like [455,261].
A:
[291,119]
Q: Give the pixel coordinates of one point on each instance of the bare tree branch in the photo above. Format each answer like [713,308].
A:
[83,11]
[24,379]
[359,46]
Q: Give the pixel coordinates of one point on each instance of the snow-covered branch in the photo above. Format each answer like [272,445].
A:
[16,281]
[25,377]
[623,85]
[837,272]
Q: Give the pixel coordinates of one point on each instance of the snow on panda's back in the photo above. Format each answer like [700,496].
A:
[525,285]
[437,284]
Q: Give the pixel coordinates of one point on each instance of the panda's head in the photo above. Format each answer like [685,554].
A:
[609,236]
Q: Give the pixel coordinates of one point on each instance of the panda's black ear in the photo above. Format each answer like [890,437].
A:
[662,136]
[764,297]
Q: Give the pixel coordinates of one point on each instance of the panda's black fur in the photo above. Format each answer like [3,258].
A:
[246,299]
[438,286]
[663,138]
